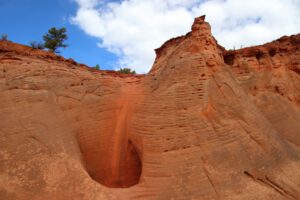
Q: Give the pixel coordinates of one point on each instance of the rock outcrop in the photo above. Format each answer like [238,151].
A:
[205,123]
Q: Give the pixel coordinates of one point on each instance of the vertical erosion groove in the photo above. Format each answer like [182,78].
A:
[111,158]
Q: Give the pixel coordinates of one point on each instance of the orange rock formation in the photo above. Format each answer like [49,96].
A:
[205,123]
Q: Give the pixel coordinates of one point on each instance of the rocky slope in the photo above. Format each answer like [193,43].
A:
[205,123]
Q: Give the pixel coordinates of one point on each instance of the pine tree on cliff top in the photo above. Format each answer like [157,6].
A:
[55,38]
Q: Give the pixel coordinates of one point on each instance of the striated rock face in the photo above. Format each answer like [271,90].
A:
[205,123]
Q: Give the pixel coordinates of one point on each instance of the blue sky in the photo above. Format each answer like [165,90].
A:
[119,33]
[28,20]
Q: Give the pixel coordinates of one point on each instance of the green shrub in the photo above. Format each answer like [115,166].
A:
[126,71]
[55,38]
[4,37]
[37,45]
[97,67]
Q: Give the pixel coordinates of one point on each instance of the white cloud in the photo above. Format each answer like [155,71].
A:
[87,3]
[244,23]
[132,29]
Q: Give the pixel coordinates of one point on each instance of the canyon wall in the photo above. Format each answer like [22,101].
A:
[204,123]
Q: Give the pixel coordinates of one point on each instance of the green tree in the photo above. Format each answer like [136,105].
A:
[55,38]
[97,67]
[126,71]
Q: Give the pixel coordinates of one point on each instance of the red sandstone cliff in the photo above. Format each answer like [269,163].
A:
[205,123]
